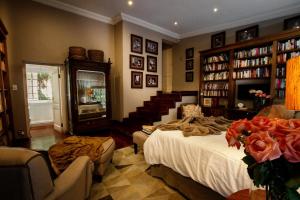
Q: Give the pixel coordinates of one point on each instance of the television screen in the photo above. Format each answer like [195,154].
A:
[243,90]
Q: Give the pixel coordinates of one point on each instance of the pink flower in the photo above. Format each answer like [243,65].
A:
[292,148]
[262,123]
[287,126]
[232,138]
[262,147]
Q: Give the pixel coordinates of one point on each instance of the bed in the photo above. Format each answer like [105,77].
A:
[204,159]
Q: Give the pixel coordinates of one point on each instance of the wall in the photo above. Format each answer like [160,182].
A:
[167,69]
[133,98]
[38,117]
[203,42]
[42,34]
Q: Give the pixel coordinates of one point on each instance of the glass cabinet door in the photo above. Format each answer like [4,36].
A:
[91,94]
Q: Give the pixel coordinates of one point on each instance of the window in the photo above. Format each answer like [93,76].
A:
[39,86]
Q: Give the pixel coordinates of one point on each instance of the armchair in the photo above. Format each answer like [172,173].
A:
[24,174]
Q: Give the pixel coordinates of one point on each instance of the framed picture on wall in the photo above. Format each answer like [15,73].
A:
[151,80]
[292,23]
[136,62]
[189,64]
[136,79]
[136,44]
[151,47]
[207,102]
[151,64]
[247,33]
[218,40]
[189,76]
[189,53]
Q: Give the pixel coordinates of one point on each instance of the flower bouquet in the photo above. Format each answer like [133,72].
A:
[272,148]
[261,99]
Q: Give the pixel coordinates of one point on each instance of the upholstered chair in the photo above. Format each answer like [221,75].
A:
[24,174]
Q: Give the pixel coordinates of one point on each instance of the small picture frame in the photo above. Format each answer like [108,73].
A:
[136,44]
[189,64]
[151,64]
[292,23]
[151,80]
[247,34]
[207,102]
[218,40]
[189,53]
[151,47]
[189,76]
[136,62]
[136,79]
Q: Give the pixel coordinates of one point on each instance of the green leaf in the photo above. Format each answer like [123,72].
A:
[293,195]
[294,182]
[249,160]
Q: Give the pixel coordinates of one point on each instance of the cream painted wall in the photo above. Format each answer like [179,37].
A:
[203,42]
[42,34]
[167,69]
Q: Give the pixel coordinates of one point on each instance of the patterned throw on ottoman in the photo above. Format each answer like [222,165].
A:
[99,149]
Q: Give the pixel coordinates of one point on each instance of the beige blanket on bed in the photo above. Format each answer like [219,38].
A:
[195,126]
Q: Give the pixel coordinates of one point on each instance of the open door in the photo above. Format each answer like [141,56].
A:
[57,116]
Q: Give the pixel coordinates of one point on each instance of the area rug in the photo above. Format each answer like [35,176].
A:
[126,179]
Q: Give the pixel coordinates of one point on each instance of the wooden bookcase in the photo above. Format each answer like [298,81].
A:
[262,59]
[6,119]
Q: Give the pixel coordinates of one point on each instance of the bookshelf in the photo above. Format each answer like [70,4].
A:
[262,59]
[6,126]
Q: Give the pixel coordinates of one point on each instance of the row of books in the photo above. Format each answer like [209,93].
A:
[216,76]
[289,45]
[253,62]
[216,86]
[280,94]
[218,58]
[252,73]
[253,52]
[280,83]
[282,58]
[215,66]
[215,93]
[280,72]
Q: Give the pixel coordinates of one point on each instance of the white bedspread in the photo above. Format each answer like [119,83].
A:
[206,159]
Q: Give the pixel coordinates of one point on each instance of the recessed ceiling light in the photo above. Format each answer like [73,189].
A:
[130,3]
[175,23]
[216,9]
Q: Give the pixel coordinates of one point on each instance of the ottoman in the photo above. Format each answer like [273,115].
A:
[99,149]
[139,138]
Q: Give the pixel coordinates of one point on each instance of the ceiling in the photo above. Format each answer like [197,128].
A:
[193,16]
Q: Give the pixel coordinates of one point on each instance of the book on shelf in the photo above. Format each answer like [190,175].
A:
[289,45]
[280,83]
[280,72]
[215,93]
[253,62]
[216,76]
[215,66]
[282,58]
[258,51]
[216,86]
[252,73]
[217,58]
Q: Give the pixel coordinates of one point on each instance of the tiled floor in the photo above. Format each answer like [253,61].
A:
[126,179]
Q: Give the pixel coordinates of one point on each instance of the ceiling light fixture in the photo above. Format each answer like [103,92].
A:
[216,9]
[130,3]
[175,23]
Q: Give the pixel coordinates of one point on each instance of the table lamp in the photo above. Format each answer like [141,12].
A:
[292,91]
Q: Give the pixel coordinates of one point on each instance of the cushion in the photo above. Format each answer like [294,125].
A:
[191,110]
[277,111]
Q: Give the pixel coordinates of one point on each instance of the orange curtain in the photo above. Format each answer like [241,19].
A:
[292,97]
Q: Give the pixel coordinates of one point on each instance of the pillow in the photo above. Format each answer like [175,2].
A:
[191,110]
[277,111]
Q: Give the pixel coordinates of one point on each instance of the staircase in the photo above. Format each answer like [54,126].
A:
[151,111]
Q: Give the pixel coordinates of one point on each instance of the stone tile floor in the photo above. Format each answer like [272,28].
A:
[126,179]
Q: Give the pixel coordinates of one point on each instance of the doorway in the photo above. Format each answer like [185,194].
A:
[45,96]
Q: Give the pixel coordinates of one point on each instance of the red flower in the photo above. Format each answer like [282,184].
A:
[262,147]
[236,130]
[292,148]
[287,126]
[262,123]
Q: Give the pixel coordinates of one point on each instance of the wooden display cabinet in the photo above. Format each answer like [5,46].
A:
[6,115]
[88,96]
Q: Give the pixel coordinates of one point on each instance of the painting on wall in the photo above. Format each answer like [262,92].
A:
[218,40]
[207,102]
[136,44]
[151,47]
[189,53]
[136,79]
[247,33]
[292,23]
[189,64]
[151,80]
[189,76]
[136,62]
[151,64]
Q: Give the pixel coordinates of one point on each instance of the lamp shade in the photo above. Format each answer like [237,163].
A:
[292,96]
